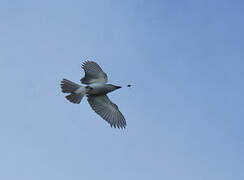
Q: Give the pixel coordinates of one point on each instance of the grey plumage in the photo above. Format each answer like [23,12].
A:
[74,98]
[93,73]
[107,110]
[96,91]
[68,86]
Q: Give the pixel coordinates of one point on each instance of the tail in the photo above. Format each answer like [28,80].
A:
[77,91]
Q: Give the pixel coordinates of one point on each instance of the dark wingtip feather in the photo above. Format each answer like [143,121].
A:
[84,63]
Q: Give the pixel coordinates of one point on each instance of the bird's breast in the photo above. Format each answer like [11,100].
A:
[97,89]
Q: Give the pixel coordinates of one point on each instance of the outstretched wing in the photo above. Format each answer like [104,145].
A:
[107,110]
[93,73]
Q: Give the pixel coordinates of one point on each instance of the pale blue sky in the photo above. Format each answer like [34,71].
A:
[185,60]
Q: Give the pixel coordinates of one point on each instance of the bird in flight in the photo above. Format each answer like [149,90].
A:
[96,90]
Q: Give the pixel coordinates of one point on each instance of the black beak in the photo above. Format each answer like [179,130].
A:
[117,87]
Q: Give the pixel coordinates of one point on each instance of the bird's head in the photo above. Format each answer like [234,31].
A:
[112,87]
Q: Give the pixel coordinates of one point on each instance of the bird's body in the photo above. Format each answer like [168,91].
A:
[100,88]
[96,90]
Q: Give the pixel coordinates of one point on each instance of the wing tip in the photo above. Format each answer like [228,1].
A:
[83,64]
[118,126]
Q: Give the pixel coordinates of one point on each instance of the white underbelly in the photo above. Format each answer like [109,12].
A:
[97,89]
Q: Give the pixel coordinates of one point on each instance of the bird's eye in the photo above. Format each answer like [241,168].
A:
[89,88]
